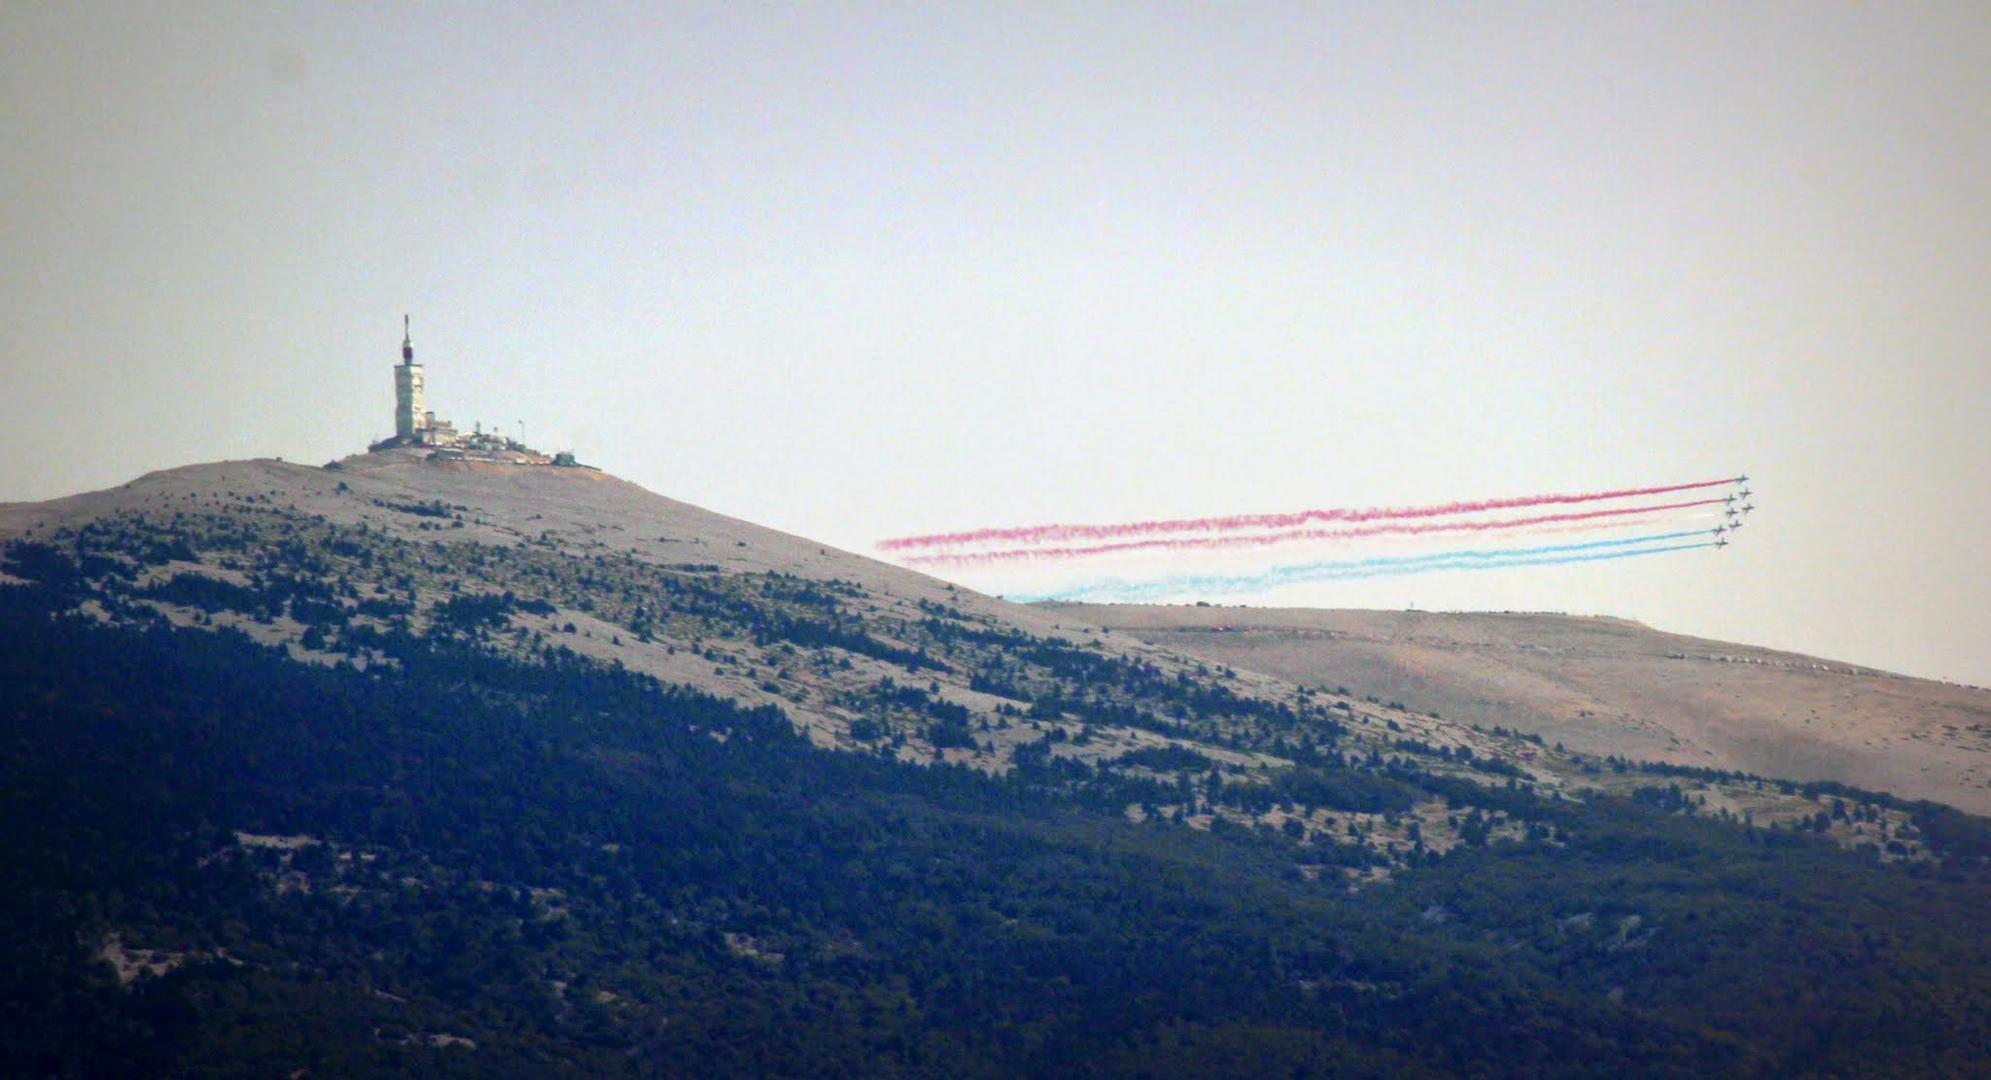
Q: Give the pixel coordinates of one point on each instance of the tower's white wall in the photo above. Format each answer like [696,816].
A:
[410,404]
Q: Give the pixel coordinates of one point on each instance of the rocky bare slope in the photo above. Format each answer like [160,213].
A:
[1609,686]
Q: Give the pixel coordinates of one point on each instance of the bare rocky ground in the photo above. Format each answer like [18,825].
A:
[1605,686]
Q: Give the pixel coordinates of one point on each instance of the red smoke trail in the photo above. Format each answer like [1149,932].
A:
[1593,526]
[1032,534]
[1253,540]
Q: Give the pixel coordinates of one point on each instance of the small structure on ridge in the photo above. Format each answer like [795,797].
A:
[416,425]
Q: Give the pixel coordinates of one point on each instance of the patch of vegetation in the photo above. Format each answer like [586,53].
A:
[579,869]
[472,612]
[1171,758]
[433,508]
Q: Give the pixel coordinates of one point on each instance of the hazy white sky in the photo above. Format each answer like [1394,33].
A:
[855,271]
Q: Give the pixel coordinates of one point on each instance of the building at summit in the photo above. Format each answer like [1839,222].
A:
[416,425]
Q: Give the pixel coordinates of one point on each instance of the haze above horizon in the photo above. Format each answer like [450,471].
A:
[864,272]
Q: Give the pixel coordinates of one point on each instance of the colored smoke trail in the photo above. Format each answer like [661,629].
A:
[1257,540]
[1033,534]
[1312,571]
[1149,591]
[1622,523]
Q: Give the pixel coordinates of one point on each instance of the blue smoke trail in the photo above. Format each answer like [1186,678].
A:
[1379,566]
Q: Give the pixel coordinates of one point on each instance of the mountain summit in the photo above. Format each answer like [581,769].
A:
[507,768]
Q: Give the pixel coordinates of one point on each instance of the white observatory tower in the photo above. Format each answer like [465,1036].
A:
[410,415]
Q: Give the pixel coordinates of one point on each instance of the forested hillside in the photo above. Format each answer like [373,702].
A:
[461,857]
